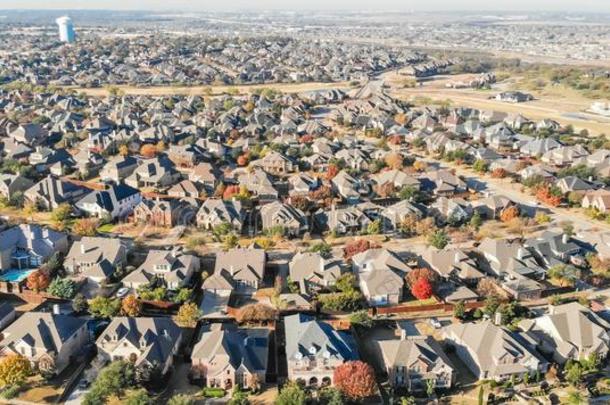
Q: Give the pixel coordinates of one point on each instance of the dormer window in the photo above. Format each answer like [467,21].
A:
[313,350]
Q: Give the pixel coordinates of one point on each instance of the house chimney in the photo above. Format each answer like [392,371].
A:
[56,309]
[565,238]
[82,247]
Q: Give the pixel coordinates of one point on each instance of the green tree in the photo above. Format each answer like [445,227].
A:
[331,396]
[79,303]
[61,213]
[459,310]
[138,397]
[374,228]
[574,373]
[323,248]
[476,220]
[361,318]
[102,307]
[438,239]
[62,288]
[239,397]
[430,387]
[181,399]
[480,166]
[112,380]
[291,394]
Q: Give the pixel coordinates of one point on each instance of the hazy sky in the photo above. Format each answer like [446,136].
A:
[404,5]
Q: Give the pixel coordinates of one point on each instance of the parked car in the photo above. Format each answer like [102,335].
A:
[123,291]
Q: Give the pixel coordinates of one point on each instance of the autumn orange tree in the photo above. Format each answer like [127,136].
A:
[38,281]
[420,165]
[14,369]
[546,194]
[148,151]
[332,171]
[355,379]
[85,227]
[242,160]
[394,161]
[131,306]
[256,313]
[509,213]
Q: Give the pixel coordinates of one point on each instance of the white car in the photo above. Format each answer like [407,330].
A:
[435,323]
[122,292]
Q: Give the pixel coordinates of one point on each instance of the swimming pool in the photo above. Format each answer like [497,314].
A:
[15,275]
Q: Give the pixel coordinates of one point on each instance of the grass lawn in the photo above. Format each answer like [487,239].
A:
[106,228]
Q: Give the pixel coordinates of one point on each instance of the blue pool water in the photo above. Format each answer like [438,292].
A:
[15,275]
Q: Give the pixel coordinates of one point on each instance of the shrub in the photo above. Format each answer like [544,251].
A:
[213,392]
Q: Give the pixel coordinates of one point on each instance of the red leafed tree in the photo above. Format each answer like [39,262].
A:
[230,191]
[38,281]
[423,272]
[394,140]
[333,170]
[357,246]
[422,289]
[148,151]
[498,173]
[355,379]
[306,139]
[242,160]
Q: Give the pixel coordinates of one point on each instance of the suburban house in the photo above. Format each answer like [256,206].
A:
[275,163]
[279,215]
[312,272]
[454,262]
[29,246]
[156,173]
[163,213]
[314,349]
[30,134]
[492,352]
[12,184]
[380,275]
[569,331]
[7,315]
[345,220]
[552,248]
[241,268]
[411,361]
[393,216]
[492,206]
[172,268]
[598,199]
[117,201]
[96,259]
[49,341]
[227,356]
[52,191]
[215,212]
[150,343]
[118,168]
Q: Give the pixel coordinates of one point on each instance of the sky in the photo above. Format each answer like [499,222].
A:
[381,5]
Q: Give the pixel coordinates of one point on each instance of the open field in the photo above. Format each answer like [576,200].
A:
[211,90]
[563,105]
